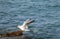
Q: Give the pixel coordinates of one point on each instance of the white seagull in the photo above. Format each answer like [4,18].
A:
[24,26]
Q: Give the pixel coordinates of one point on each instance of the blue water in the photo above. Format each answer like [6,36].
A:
[46,14]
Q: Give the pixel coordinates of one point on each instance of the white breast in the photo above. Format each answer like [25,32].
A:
[23,28]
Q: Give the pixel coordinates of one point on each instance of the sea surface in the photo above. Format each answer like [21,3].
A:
[46,14]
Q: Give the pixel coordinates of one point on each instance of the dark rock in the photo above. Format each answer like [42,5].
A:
[11,34]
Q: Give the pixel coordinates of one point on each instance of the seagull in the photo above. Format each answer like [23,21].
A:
[22,28]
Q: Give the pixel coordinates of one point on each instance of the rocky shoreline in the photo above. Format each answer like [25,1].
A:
[12,34]
[15,37]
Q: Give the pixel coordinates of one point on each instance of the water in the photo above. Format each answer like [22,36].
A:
[46,14]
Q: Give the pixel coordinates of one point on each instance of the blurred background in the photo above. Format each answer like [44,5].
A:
[46,14]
